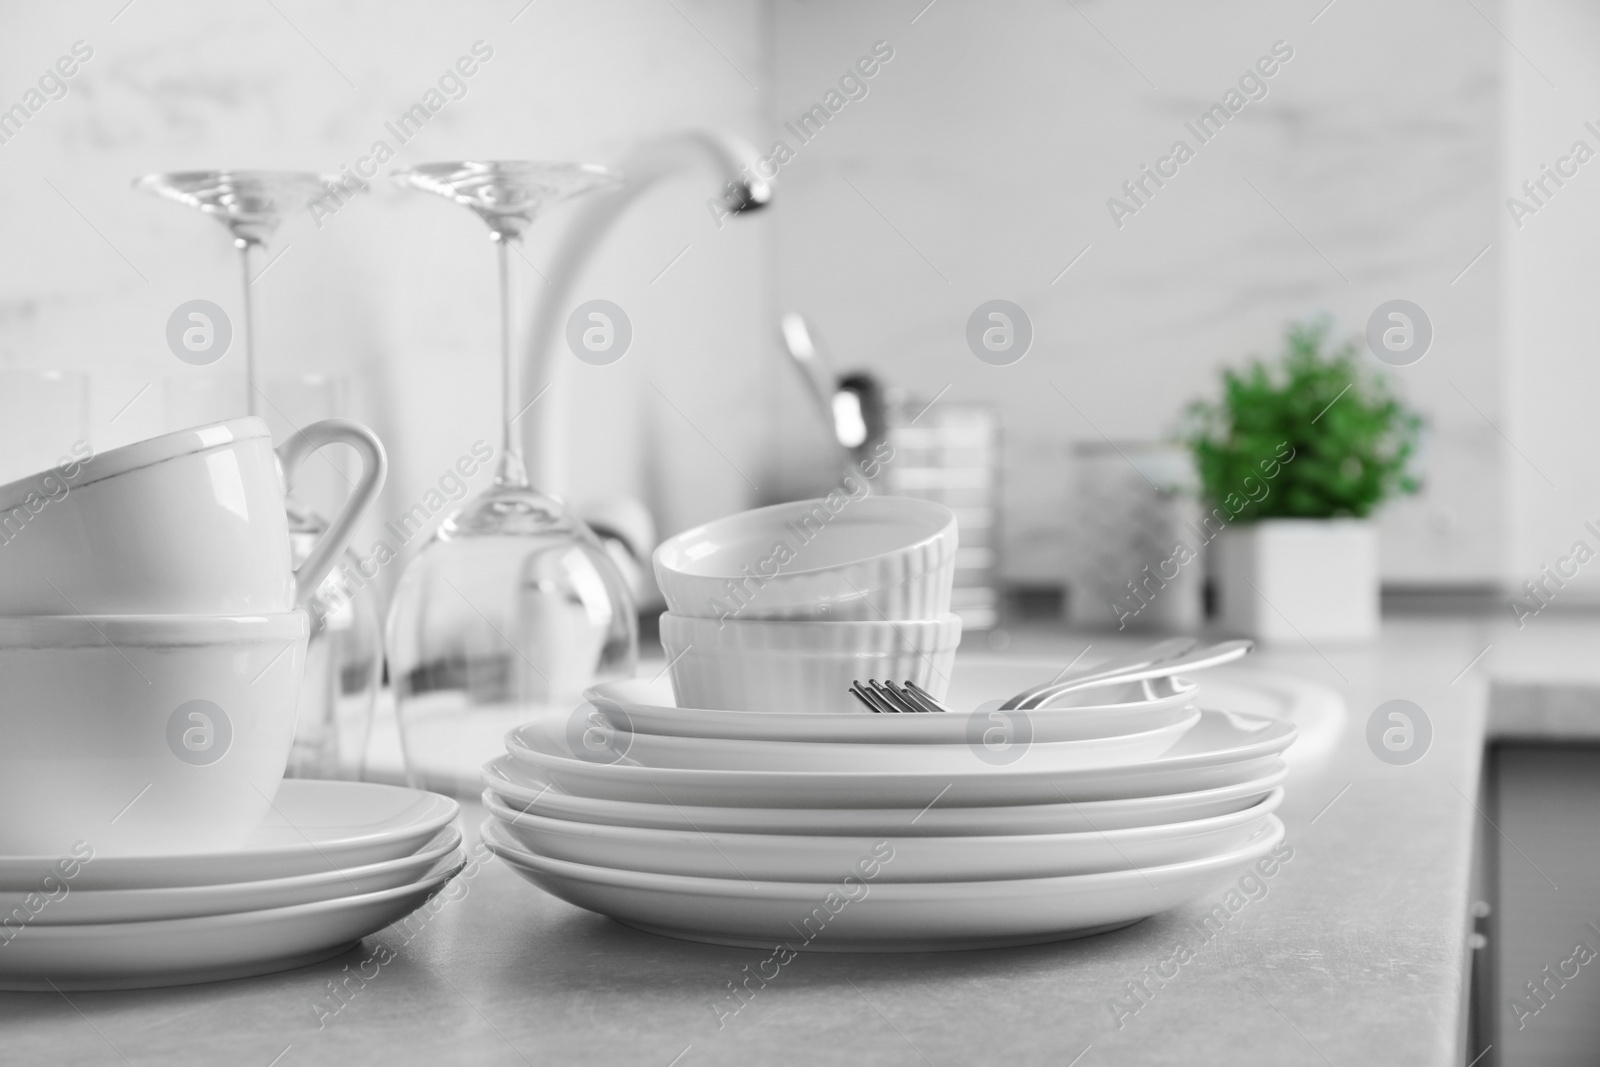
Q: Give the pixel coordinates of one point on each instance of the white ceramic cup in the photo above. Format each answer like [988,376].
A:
[143,734]
[189,523]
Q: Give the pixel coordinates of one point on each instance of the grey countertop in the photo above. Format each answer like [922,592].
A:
[1355,955]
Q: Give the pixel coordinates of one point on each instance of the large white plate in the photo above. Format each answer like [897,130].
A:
[518,790]
[818,858]
[313,826]
[1222,749]
[884,917]
[211,948]
[595,734]
[184,902]
[649,708]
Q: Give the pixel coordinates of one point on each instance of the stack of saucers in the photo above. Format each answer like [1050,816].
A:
[833,827]
[152,646]
[332,863]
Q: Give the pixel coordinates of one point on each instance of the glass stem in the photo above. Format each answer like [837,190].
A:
[511,471]
[249,330]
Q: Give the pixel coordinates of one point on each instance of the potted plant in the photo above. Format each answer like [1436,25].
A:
[1293,462]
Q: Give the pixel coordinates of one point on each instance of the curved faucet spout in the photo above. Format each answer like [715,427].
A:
[743,191]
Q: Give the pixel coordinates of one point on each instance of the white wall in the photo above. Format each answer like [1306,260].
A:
[396,290]
[1554,347]
[992,141]
[987,147]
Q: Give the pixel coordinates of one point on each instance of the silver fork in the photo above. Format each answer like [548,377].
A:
[890,699]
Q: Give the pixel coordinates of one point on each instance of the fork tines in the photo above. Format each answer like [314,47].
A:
[891,699]
[871,699]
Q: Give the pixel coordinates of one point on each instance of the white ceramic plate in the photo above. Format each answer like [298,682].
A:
[591,733]
[212,948]
[1222,749]
[313,826]
[80,906]
[884,917]
[815,858]
[649,708]
[517,790]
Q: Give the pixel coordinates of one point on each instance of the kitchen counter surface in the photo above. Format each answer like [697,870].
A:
[1356,954]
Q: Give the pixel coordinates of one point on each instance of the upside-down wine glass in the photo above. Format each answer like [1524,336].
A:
[513,603]
[345,649]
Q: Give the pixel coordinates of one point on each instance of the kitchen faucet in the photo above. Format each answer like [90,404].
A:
[744,191]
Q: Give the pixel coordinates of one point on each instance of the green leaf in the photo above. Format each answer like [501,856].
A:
[1352,438]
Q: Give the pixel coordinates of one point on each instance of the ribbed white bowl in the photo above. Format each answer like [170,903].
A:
[836,558]
[759,665]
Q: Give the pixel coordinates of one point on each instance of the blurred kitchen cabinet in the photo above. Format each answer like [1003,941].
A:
[1542,1004]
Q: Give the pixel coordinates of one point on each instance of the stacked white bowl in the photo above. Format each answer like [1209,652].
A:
[783,607]
[756,802]
[152,641]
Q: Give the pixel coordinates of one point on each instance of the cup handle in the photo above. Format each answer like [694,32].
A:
[374,468]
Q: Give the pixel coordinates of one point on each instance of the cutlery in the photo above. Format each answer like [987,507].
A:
[1198,659]
[1158,661]
[1156,653]
[889,698]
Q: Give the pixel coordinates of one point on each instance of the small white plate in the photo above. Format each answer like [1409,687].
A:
[883,917]
[313,826]
[817,858]
[591,733]
[1222,749]
[517,790]
[211,948]
[1124,708]
[80,906]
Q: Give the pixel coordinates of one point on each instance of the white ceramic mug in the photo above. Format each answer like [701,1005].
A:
[144,735]
[190,522]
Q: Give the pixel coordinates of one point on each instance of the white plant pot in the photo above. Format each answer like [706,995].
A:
[1298,579]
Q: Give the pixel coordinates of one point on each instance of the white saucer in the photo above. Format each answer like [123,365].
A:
[82,906]
[313,826]
[212,948]
[1222,749]
[885,917]
[592,732]
[517,789]
[826,858]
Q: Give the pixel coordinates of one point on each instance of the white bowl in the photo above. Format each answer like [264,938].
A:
[761,665]
[647,708]
[819,858]
[590,733]
[839,557]
[520,788]
[140,734]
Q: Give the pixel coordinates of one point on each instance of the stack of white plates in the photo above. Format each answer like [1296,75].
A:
[334,862]
[862,832]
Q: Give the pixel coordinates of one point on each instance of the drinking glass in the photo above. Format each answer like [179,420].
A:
[251,204]
[344,656]
[512,601]
[43,413]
